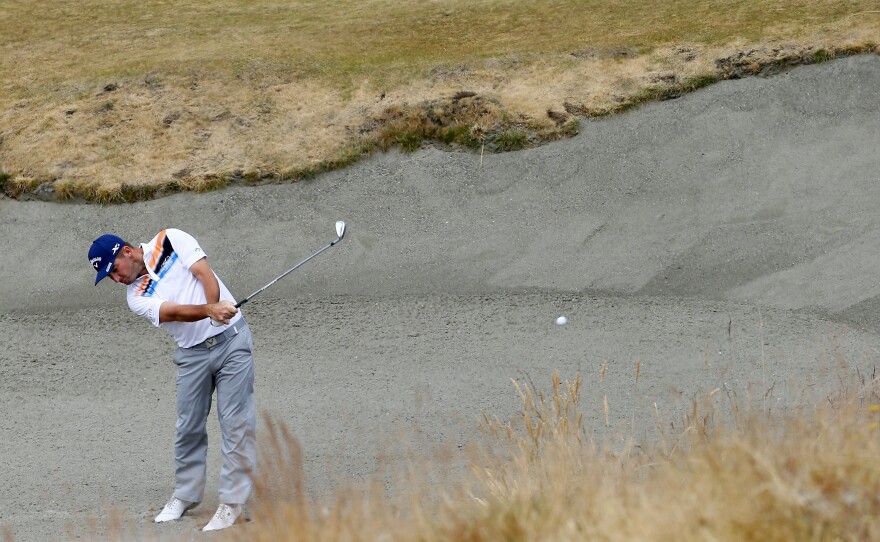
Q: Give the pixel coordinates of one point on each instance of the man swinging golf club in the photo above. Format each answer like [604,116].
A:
[171,283]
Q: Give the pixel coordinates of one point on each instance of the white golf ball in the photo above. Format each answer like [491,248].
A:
[561,321]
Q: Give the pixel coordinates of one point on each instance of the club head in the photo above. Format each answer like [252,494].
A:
[340,229]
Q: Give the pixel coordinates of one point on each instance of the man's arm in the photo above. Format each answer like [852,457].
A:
[202,270]
[214,309]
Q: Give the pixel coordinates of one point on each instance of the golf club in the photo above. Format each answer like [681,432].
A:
[340,232]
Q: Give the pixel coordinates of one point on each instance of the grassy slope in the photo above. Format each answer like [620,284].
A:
[112,100]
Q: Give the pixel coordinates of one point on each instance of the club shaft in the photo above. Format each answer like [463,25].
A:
[281,276]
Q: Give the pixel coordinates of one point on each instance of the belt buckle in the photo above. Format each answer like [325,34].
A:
[210,342]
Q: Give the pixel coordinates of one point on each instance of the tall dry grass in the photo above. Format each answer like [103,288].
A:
[732,471]
[125,100]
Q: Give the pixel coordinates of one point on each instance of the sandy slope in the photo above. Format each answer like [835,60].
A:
[729,237]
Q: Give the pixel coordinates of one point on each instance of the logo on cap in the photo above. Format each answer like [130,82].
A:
[104,249]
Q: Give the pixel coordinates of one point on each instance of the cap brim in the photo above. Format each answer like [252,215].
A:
[101,276]
[103,272]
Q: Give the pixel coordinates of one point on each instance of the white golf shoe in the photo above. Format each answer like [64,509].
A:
[224,517]
[173,510]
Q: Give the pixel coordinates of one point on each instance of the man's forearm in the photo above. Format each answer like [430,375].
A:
[172,312]
[221,312]
[209,283]
[212,290]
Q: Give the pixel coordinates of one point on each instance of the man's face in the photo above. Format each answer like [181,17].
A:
[125,270]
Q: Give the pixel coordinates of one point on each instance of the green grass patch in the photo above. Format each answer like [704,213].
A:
[512,139]
[822,55]
[409,141]
[571,128]
[698,82]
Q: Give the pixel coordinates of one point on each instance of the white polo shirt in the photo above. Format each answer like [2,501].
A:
[168,258]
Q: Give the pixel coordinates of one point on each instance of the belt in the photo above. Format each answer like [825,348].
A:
[224,336]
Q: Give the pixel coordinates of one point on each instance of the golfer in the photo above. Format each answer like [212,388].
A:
[171,284]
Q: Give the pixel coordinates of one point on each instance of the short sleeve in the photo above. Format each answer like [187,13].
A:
[148,307]
[186,246]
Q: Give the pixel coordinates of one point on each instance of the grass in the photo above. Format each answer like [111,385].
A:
[729,471]
[129,100]
[512,139]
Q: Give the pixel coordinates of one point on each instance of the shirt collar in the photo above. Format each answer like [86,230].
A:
[146,248]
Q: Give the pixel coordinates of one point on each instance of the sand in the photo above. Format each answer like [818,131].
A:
[727,239]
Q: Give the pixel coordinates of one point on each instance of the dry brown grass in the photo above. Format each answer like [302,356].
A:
[111,101]
[730,472]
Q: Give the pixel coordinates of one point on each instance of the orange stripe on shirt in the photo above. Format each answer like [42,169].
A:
[157,252]
[143,285]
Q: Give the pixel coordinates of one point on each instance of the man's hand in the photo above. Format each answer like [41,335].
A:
[222,311]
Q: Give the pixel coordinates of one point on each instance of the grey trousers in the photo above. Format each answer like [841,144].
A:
[228,367]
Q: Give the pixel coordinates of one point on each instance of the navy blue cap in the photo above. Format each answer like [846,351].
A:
[103,253]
